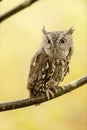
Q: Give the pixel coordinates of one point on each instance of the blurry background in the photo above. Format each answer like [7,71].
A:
[20,37]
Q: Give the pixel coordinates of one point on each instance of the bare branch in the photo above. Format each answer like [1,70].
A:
[33,101]
[15,10]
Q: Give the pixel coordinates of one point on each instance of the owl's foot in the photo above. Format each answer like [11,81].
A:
[49,93]
[55,89]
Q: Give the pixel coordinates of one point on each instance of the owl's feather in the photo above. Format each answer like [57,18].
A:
[50,64]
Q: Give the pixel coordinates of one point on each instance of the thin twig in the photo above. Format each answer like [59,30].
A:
[32,101]
[18,8]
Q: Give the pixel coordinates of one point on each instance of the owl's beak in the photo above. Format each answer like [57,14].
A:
[70,31]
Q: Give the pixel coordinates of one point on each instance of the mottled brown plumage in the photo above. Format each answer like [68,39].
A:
[50,63]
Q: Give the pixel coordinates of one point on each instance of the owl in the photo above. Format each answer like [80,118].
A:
[50,64]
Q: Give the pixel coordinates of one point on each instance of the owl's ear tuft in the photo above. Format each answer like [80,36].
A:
[70,31]
[44,30]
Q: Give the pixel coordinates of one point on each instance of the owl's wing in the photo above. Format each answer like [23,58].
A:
[33,69]
[39,72]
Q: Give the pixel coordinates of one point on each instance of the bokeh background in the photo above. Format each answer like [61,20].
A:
[20,37]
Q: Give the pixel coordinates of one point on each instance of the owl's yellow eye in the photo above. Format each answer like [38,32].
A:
[62,41]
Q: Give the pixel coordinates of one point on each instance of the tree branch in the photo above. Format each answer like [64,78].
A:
[18,8]
[33,101]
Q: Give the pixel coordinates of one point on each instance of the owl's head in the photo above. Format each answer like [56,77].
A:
[58,43]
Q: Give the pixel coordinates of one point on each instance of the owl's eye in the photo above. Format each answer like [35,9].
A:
[62,41]
[49,41]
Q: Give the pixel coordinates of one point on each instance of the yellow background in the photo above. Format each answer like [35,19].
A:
[20,37]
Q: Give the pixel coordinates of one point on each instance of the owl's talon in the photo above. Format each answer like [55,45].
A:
[48,93]
[55,89]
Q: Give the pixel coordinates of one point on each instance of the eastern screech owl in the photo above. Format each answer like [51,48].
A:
[50,63]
